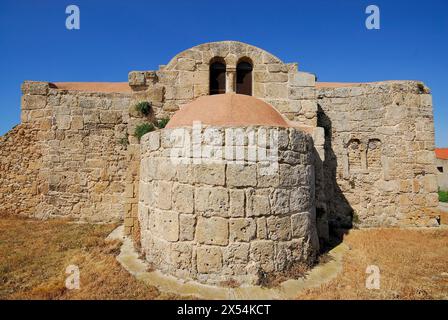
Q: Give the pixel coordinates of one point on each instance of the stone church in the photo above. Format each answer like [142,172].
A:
[350,154]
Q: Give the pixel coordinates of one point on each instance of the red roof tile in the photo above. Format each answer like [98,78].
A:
[442,153]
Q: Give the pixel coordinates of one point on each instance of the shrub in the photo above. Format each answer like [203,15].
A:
[142,129]
[162,123]
[144,107]
[443,196]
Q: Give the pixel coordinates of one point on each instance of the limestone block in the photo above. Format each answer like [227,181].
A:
[164,224]
[63,122]
[257,204]
[291,157]
[430,183]
[303,79]
[184,173]
[237,203]
[183,198]
[165,169]
[107,116]
[77,123]
[288,175]
[309,107]
[60,110]
[214,200]
[300,199]
[298,93]
[180,92]
[163,194]
[30,102]
[283,139]
[214,231]
[200,90]
[209,259]
[276,90]
[277,67]
[279,228]
[262,231]
[218,201]
[301,224]
[212,174]
[242,229]
[235,258]
[154,141]
[186,64]
[279,201]
[238,175]
[267,174]
[187,223]
[269,77]
[181,258]
[262,252]
[136,78]
[156,93]
[35,87]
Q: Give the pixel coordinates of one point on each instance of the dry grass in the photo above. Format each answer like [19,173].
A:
[413,265]
[35,254]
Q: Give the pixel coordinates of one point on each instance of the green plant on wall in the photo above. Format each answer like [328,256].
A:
[443,196]
[142,129]
[143,107]
[161,123]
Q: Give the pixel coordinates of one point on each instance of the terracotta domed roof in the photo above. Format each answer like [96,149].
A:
[228,109]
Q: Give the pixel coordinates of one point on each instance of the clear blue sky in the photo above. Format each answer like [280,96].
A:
[327,38]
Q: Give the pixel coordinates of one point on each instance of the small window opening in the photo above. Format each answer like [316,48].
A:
[217,78]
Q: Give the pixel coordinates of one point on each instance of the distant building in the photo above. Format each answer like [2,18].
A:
[442,167]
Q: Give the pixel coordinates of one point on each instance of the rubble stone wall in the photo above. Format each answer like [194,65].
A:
[218,221]
[20,151]
[87,162]
[379,154]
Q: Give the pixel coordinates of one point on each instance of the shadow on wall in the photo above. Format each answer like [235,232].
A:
[333,211]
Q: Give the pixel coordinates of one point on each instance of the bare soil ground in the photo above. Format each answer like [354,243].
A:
[34,256]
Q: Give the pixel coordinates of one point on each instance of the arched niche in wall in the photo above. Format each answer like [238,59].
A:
[354,154]
[374,153]
[217,76]
[244,77]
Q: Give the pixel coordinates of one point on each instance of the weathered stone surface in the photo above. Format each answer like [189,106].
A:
[187,223]
[236,258]
[212,200]
[241,175]
[214,231]
[279,228]
[301,224]
[237,205]
[212,174]
[164,224]
[183,198]
[257,204]
[262,253]
[209,259]
[242,229]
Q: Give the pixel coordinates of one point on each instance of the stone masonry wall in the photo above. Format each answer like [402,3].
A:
[87,163]
[218,221]
[20,190]
[379,161]
[186,77]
